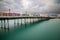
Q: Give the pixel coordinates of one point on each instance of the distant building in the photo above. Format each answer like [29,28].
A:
[44,15]
[52,15]
[1,13]
[36,14]
[30,14]
[24,15]
[9,14]
[58,15]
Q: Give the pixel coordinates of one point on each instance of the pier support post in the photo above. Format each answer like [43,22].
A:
[14,23]
[18,23]
[2,25]
[8,23]
[38,19]
[5,26]
[25,22]
[21,22]
[30,20]
[33,20]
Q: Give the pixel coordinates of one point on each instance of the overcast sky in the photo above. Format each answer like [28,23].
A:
[42,6]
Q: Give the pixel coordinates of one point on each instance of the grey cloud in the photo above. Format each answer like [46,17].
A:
[57,1]
[1,0]
[3,9]
[36,4]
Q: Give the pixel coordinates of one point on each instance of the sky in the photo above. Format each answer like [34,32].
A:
[41,6]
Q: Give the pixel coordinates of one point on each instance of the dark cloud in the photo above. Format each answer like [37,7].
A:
[57,1]
[1,0]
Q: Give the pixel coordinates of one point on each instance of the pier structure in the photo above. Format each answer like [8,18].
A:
[6,19]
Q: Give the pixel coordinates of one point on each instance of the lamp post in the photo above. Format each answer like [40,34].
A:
[9,10]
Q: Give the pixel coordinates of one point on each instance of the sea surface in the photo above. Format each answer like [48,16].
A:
[42,30]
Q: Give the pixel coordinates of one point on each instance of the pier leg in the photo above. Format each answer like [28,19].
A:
[14,23]
[41,18]
[33,20]
[25,22]
[21,22]
[30,20]
[5,26]
[18,23]
[1,25]
[37,19]
[8,23]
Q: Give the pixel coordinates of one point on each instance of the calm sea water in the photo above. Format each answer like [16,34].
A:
[42,30]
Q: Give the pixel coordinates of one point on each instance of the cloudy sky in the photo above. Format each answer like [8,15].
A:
[42,6]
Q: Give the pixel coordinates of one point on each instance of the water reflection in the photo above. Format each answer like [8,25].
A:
[15,23]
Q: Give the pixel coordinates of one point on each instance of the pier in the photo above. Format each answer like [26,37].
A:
[6,19]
